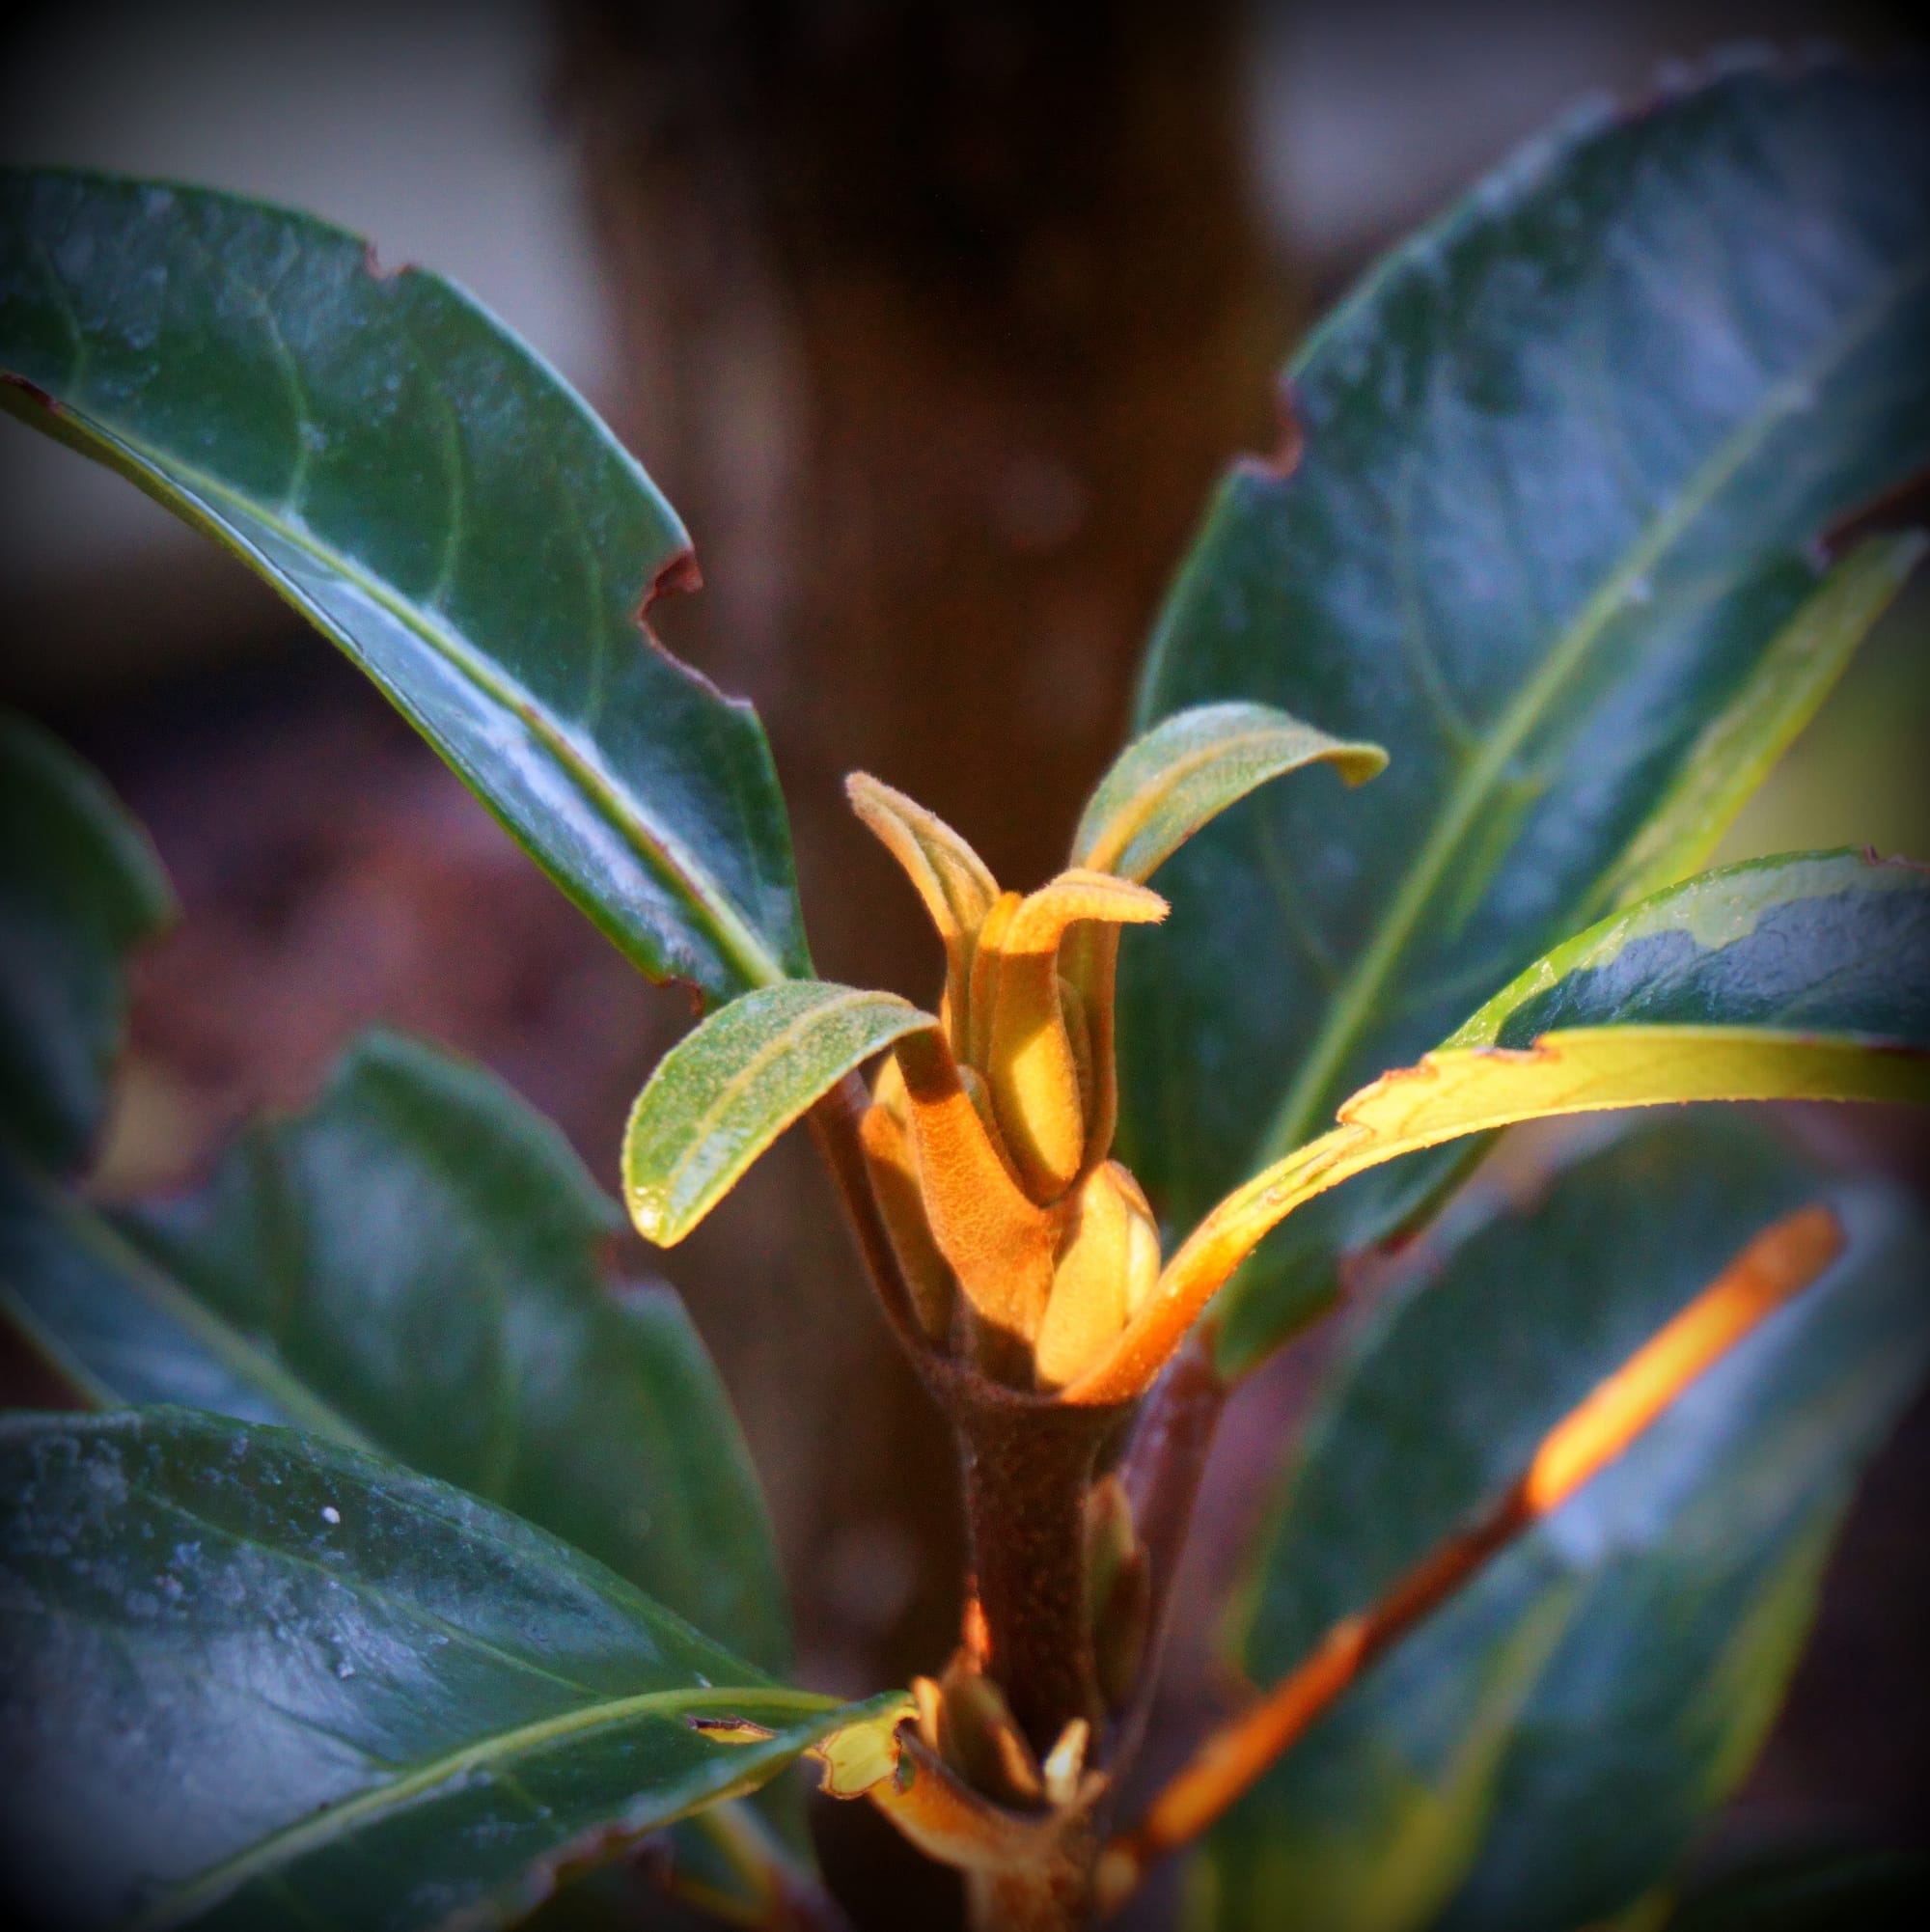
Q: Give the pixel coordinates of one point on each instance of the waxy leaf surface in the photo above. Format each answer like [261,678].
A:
[412,1266]
[1559,465]
[438,502]
[1675,1588]
[1800,978]
[258,1680]
[726,1091]
[79,888]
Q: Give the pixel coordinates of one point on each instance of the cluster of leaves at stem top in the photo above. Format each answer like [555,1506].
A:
[400,1567]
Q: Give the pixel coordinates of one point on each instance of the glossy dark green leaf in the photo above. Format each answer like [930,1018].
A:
[728,1089]
[412,1266]
[1738,747]
[79,888]
[1561,462]
[437,499]
[1680,1582]
[258,1680]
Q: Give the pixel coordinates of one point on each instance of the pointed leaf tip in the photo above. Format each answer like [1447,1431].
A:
[1188,768]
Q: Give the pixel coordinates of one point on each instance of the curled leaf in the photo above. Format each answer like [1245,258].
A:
[950,876]
[728,1089]
[863,1753]
[1031,1063]
[1188,768]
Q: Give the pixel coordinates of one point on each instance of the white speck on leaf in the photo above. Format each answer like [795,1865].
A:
[330,1513]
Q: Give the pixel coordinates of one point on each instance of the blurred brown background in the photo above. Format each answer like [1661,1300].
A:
[936,322]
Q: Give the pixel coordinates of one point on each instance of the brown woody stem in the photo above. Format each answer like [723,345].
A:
[1028,1467]
[1781,1262]
[1163,1467]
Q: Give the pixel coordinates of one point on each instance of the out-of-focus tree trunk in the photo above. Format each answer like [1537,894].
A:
[940,320]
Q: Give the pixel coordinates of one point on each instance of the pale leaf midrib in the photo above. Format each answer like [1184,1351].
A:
[658,848]
[280,1848]
[1347,1017]
[301,1407]
[1140,811]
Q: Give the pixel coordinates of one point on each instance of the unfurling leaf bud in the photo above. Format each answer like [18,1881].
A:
[1024,1248]
[1105,1268]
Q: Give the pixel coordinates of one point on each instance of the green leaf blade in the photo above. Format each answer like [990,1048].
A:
[80,888]
[1681,1580]
[1561,463]
[1188,769]
[399,1704]
[723,1093]
[412,1266]
[443,507]
[1796,977]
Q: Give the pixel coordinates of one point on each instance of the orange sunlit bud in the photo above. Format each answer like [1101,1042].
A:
[1031,1067]
[981,1740]
[893,1170]
[1021,1244]
[1110,1255]
[998,1244]
[1078,1036]
[950,877]
[975,1035]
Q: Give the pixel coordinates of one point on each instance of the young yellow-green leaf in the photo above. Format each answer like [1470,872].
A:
[1561,465]
[1823,942]
[1799,978]
[257,1680]
[79,888]
[728,1089]
[412,478]
[1683,1575]
[1164,786]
